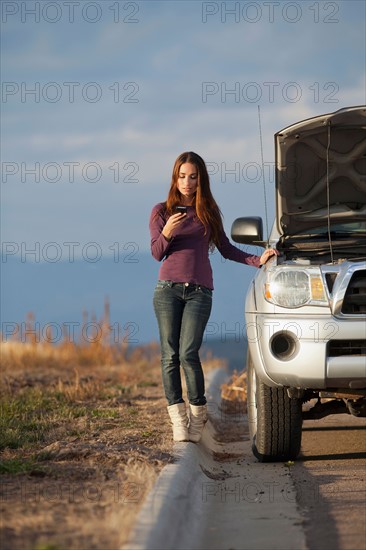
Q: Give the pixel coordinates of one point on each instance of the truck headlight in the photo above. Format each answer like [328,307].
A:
[289,287]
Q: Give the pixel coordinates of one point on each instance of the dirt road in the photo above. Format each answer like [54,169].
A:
[330,481]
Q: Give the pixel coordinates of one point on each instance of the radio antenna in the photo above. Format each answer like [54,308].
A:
[328,199]
[264,181]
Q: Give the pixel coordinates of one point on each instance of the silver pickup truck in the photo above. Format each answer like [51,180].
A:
[306,308]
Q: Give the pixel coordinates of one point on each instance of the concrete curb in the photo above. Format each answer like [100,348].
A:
[170,501]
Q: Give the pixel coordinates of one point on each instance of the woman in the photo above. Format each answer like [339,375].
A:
[183,294]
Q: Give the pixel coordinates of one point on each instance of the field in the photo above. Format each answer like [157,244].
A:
[84,434]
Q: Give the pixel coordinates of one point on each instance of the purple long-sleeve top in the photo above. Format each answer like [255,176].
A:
[186,256]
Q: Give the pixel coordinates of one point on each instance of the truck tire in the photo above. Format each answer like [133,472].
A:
[275,420]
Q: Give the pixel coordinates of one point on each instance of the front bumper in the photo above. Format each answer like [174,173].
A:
[309,364]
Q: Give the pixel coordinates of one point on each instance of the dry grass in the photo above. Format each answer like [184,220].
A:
[79,446]
[83,435]
[234,394]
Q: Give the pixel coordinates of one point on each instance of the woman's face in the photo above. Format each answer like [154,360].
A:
[187,182]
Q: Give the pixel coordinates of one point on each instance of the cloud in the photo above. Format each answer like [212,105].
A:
[165,59]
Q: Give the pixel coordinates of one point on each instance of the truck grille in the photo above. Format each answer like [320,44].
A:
[355,298]
[337,348]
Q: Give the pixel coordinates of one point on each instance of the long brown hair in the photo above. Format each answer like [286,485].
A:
[207,209]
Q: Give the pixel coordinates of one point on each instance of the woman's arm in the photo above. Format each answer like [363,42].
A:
[162,230]
[159,243]
[231,252]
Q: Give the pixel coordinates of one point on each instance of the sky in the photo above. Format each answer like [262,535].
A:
[99,98]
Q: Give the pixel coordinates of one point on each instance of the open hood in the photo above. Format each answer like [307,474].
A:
[321,171]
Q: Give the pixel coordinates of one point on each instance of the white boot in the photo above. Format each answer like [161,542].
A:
[179,419]
[198,419]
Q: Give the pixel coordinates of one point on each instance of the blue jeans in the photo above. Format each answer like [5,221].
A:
[182,311]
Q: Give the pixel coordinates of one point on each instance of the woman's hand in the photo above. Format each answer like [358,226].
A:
[267,254]
[173,222]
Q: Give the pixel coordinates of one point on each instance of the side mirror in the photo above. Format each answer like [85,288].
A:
[248,231]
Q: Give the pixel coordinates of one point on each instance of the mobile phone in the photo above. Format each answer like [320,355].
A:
[181,209]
